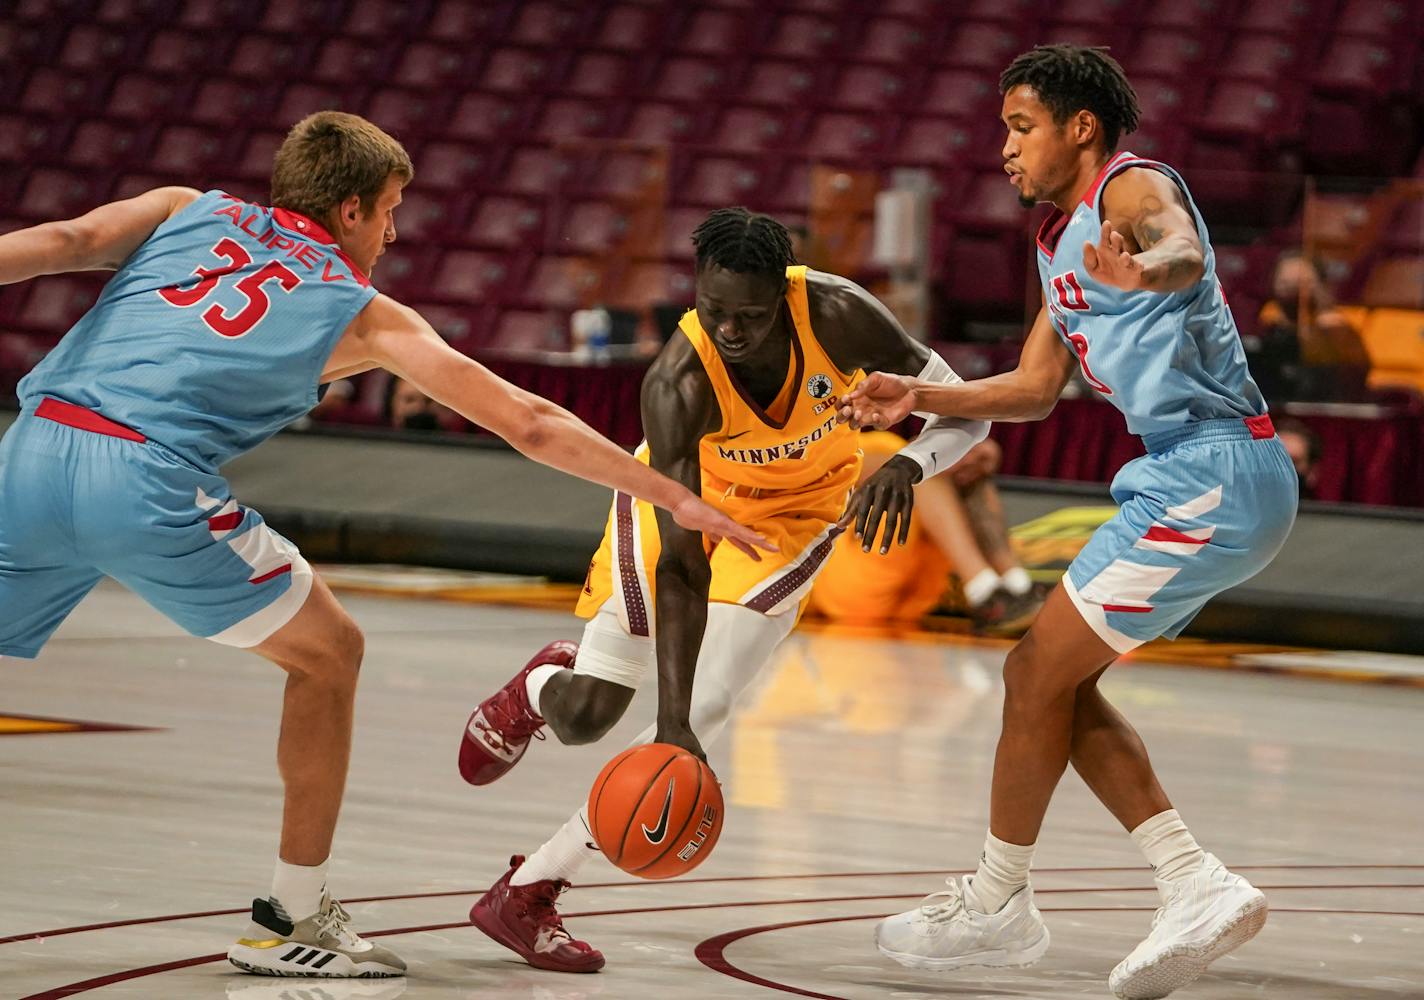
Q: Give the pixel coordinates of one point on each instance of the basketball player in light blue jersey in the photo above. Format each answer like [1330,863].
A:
[219,325]
[1130,298]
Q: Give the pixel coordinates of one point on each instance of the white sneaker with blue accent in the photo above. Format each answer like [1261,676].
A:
[945,933]
[1209,914]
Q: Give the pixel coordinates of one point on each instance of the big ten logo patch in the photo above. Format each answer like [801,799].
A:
[699,836]
[1046,545]
[829,403]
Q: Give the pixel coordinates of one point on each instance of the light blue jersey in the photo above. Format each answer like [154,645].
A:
[212,336]
[1214,498]
[1163,360]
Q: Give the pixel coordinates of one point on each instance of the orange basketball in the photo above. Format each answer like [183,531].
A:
[656,811]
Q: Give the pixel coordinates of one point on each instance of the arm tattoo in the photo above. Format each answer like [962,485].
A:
[1145,227]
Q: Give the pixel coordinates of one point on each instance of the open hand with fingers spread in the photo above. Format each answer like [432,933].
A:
[881,400]
[695,514]
[887,496]
[1110,263]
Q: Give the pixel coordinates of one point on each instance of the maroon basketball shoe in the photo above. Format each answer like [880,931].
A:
[499,731]
[523,918]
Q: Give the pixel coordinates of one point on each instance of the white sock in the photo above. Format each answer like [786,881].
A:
[1003,871]
[1016,581]
[978,587]
[298,888]
[562,855]
[536,680]
[1170,849]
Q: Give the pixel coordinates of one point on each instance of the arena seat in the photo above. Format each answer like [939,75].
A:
[1394,339]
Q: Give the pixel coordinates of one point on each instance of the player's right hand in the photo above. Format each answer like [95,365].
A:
[696,514]
[881,400]
[681,736]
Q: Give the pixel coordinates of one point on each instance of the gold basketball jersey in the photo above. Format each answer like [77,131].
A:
[795,444]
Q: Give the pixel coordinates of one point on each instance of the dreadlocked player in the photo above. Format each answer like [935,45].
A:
[742,406]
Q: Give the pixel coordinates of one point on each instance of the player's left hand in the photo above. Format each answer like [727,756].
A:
[696,514]
[887,496]
[1109,262]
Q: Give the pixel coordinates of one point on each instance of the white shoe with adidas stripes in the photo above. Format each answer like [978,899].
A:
[322,945]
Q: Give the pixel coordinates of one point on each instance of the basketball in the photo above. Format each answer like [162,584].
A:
[656,811]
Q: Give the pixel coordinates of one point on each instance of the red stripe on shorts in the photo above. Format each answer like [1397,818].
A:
[272,575]
[85,419]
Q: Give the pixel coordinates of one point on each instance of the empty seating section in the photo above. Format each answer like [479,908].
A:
[539,128]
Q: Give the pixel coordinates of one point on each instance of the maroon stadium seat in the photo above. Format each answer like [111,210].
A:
[422,64]
[482,116]
[1260,57]
[546,24]
[750,129]
[656,122]
[869,88]
[716,181]
[779,83]
[533,170]
[511,223]
[514,70]
[184,150]
[451,165]
[897,41]
[960,92]
[935,142]
[470,276]
[797,35]
[598,74]
[630,28]
[521,329]
[265,57]
[841,136]
[984,44]
[1166,53]
[687,79]
[717,33]
[1382,19]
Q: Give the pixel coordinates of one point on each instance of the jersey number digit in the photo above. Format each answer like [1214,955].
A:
[241,323]
[1069,295]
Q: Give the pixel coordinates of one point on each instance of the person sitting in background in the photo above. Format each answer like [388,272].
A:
[958,528]
[406,408]
[1303,447]
[1306,348]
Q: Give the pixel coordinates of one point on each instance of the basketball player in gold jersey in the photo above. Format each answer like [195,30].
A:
[741,405]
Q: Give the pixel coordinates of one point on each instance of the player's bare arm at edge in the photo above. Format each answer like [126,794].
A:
[679,408]
[395,337]
[98,240]
[1149,239]
[1029,392]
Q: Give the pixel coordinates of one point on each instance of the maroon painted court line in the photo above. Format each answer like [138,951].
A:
[198,915]
[71,989]
[712,952]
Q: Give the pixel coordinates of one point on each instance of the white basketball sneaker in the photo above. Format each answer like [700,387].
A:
[1208,915]
[944,933]
[322,945]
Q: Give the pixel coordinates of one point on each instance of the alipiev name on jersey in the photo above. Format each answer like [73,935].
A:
[790,450]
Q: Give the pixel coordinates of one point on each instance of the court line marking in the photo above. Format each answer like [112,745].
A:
[712,951]
[938,872]
[98,982]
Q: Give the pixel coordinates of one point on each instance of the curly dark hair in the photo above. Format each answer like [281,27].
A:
[1073,78]
[743,241]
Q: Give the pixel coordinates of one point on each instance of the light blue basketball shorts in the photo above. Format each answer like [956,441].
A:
[82,498]
[1205,509]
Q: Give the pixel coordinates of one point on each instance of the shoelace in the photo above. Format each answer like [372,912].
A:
[945,905]
[542,908]
[332,922]
[511,724]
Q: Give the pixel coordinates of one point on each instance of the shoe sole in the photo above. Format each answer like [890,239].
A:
[1021,959]
[488,924]
[259,970]
[1182,964]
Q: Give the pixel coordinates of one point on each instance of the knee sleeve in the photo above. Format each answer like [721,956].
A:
[611,654]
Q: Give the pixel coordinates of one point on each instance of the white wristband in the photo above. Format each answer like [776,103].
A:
[944,440]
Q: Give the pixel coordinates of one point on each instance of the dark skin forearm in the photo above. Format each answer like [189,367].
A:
[683,579]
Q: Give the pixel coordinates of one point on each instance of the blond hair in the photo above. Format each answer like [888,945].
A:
[329,156]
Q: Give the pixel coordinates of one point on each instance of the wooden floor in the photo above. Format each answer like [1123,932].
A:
[856,777]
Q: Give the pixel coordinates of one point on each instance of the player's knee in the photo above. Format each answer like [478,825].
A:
[711,707]
[340,651]
[1030,684]
[586,722]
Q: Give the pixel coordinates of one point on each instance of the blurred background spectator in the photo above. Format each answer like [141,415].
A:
[1303,446]
[1304,347]
[957,530]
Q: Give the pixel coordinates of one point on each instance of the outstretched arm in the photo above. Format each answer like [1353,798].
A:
[395,337]
[1149,240]
[860,332]
[1029,392]
[679,407]
[98,240]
